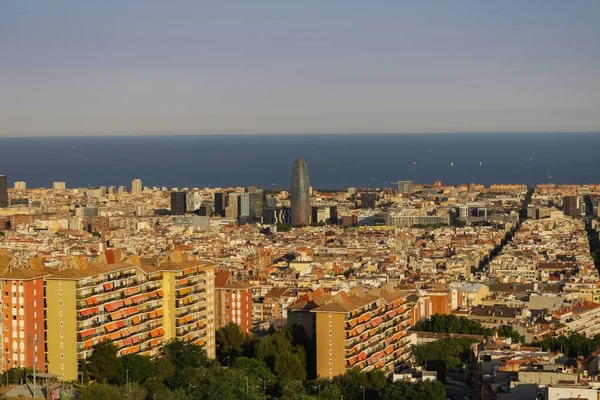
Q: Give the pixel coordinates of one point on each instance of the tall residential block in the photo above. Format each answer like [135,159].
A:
[23,322]
[136,186]
[3,191]
[138,305]
[300,194]
[357,329]
[233,301]
[59,185]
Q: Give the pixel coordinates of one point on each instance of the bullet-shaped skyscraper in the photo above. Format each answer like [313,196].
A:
[300,196]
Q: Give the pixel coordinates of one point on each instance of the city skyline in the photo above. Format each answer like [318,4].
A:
[111,68]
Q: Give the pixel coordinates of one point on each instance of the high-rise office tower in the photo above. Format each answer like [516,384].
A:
[3,191]
[300,197]
[177,203]
[232,209]
[220,203]
[193,201]
[368,200]
[257,204]
[136,186]
[404,187]
[20,185]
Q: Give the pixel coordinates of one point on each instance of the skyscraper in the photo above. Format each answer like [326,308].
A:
[3,191]
[136,186]
[177,203]
[300,196]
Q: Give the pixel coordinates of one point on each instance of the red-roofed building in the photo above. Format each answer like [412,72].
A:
[233,301]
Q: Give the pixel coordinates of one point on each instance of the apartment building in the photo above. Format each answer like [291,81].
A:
[358,329]
[23,317]
[233,301]
[137,307]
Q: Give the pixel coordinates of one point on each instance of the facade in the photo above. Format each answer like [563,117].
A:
[137,307]
[23,322]
[244,205]
[277,215]
[220,199]
[571,206]
[178,203]
[192,201]
[20,185]
[359,330]
[368,200]
[257,204]
[403,220]
[3,191]
[232,209]
[59,186]
[405,187]
[300,195]
[233,301]
[136,186]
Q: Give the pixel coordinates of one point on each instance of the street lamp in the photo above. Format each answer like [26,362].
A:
[128,390]
[363,390]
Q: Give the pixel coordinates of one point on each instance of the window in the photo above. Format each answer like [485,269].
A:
[330,361]
[330,371]
[62,335]
[331,342]
[60,303]
[330,333]
[330,324]
[330,352]
[60,292]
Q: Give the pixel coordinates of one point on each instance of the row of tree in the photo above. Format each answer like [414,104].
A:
[271,367]
[450,323]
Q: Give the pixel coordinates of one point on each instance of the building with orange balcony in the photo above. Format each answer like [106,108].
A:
[358,329]
[137,304]
[23,322]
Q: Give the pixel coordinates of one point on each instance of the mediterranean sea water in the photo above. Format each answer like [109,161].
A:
[334,160]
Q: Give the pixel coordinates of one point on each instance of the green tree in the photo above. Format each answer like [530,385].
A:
[85,376]
[140,367]
[439,366]
[99,391]
[133,391]
[289,366]
[422,391]
[103,364]
[230,341]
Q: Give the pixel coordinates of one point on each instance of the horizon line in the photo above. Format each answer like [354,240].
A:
[162,134]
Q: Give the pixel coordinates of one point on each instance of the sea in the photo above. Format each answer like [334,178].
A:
[334,161]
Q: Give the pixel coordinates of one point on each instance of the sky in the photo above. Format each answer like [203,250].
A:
[313,66]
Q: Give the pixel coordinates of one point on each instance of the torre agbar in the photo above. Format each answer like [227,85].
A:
[300,196]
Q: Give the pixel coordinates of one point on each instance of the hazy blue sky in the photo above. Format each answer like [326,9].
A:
[125,66]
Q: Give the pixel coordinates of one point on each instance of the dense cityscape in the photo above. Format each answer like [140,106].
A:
[428,290]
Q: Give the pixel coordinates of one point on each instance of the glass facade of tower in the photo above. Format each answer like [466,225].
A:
[300,196]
